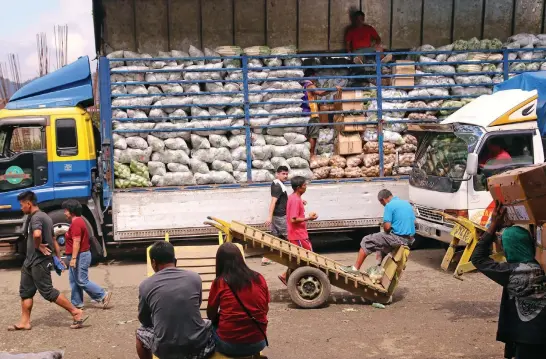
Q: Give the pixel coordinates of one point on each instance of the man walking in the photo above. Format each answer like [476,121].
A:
[276,218]
[36,270]
[79,256]
[168,309]
[398,226]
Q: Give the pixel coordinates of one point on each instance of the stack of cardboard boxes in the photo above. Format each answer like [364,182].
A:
[522,192]
[403,68]
[348,140]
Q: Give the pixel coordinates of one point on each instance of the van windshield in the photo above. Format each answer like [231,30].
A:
[440,162]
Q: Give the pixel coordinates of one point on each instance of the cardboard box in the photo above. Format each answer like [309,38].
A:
[349,106]
[408,69]
[325,117]
[347,120]
[541,247]
[348,144]
[523,192]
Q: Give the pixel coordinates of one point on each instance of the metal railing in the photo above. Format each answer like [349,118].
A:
[260,96]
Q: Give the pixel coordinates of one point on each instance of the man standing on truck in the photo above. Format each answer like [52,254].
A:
[276,218]
[398,226]
[36,270]
[168,309]
[78,252]
[362,37]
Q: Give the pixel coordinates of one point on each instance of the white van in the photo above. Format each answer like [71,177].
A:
[492,134]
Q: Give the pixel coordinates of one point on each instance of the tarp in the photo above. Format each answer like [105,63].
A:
[528,81]
[67,87]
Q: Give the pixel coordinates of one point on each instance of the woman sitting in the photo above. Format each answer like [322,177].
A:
[522,317]
[238,305]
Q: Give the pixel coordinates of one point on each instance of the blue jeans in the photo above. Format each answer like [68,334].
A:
[237,350]
[79,280]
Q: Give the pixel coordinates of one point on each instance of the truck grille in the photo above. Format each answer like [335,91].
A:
[427,213]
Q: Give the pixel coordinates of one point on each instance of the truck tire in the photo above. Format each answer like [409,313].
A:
[309,287]
[59,220]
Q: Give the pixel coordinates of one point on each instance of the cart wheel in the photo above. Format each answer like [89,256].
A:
[309,287]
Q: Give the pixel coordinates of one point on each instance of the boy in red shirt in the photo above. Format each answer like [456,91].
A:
[295,217]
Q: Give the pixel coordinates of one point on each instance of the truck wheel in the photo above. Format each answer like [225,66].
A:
[60,222]
[309,287]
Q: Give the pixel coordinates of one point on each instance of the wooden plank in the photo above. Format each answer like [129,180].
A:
[282,23]
[201,270]
[340,11]
[378,14]
[313,25]
[182,252]
[186,263]
[406,23]
[528,16]
[184,24]
[249,22]
[152,26]
[437,22]
[206,285]
[498,19]
[119,24]
[468,19]
[390,267]
[217,23]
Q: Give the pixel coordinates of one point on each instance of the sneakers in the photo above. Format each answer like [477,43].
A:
[350,270]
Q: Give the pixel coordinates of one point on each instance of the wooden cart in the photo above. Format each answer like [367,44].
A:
[310,274]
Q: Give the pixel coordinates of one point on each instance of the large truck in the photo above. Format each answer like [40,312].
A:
[456,156]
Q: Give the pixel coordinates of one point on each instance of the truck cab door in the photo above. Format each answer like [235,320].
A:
[23,160]
[499,151]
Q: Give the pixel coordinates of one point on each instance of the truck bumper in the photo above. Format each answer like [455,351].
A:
[429,229]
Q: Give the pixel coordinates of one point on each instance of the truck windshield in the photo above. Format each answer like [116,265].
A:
[441,159]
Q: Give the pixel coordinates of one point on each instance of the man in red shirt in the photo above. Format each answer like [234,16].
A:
[78,254]
[362,37]
[495,152]
[296,221]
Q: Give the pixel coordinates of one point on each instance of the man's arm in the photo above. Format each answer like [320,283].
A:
[316,92]
[293,214]
[271,210]
[387,219]
[144,312]
[387,227]
[36,227]
[213,302]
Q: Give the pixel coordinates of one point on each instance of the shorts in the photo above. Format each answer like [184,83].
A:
[146,336]
[313,131]
[278,227]
[303,243]
[38,277]
[383,242]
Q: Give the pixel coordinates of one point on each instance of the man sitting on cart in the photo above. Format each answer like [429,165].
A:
[398,226]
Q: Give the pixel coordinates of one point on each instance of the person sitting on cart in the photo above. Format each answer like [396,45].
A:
[296,220]
[398,226]
[522,315]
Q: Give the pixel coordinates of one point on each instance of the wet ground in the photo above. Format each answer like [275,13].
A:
[433,315]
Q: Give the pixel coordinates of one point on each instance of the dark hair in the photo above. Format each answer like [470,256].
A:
[359,13]
[297,182]
[162,252]
[73,206]
[231,266]
[310,72]
[282,169]
[384,194]
[497,141]
[28,196]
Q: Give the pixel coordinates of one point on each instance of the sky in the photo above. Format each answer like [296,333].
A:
[22,20]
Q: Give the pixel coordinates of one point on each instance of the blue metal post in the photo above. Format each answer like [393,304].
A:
[248,135]
[107,151]
[505,64]
[379,87]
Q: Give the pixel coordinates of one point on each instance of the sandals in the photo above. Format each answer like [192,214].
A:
[78,324]
[16,328]
[106,300]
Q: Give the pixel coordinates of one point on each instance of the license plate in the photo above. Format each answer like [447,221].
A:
[462,233]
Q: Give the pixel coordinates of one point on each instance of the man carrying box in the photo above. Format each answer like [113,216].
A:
[398,226]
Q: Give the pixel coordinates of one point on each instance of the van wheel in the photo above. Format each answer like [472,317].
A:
[61,223]
[309,287]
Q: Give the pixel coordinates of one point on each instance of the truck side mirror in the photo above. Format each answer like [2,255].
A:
[472,164]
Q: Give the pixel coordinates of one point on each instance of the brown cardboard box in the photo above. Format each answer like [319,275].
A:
[347,120]
[348,144]
[523,192]
[541,248]
[325,117]
[518,184]
[349,95]
[408,69]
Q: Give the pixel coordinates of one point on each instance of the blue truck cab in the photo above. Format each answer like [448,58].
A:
[48,145]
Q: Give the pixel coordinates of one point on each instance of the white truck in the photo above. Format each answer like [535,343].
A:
[456,156]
